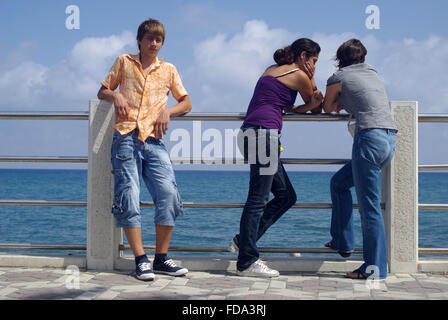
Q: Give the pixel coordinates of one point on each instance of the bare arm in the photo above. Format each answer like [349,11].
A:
[182,107]
[331,97]
[312,98]
[314,105]
[119,101]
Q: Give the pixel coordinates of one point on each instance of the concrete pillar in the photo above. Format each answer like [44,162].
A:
[401,191]
[103,238]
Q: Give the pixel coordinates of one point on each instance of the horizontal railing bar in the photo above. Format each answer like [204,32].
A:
[238,205]
[433,167]
[44,159]
[240,117]
[43,246]
[173,160]
[194,116]
[426,206]
[197,116]
[225,249]
[274,249]
[241,161]
[433,250]
[43,203]
[302,161]
[150,204]
[44,115]
[197,248]
[208,205]
[433,117]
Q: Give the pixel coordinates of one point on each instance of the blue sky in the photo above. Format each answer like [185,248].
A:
[219,48]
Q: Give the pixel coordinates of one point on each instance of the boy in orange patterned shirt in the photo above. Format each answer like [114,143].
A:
[138,149]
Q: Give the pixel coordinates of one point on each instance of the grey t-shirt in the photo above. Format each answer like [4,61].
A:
[363,95]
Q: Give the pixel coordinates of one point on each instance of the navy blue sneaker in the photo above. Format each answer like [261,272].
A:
[168,267]
[143,271]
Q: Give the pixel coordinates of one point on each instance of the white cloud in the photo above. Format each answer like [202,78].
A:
[240,59]
[23,85]
[226,69]
[68,84]
[415,70]
[93,55]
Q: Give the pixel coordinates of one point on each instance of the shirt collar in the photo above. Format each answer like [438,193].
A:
[155,65]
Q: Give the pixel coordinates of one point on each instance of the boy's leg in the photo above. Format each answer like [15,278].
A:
[372,153]
[126,166]
[158,175]
[163,237]
[134,237]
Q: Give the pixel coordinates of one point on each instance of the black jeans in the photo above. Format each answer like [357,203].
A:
[259,214]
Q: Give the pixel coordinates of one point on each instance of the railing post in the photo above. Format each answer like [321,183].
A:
[103,238]
[401,191]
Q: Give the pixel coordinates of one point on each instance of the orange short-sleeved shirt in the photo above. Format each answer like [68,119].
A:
[146,94]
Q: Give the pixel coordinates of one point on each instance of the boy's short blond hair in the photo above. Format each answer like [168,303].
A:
[151,26]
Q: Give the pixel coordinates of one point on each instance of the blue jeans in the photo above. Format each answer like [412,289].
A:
[259,214]
[373,149]
[132,159]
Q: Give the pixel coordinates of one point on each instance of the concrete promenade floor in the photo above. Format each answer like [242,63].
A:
[62,284]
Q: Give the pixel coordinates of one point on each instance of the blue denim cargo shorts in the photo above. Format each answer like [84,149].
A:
[131,160]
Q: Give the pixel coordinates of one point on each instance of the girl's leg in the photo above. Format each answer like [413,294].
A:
[284,198]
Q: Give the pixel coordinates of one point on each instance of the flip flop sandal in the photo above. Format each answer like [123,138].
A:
[342,254]
[356,274]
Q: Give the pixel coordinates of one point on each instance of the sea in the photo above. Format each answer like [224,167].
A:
[198,227]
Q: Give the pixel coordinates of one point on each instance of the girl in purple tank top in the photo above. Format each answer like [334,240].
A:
[258,140]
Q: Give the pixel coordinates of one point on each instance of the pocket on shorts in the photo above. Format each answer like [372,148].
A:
[117,206]
[373,149]
[180,204]
[124,156]
[122,152]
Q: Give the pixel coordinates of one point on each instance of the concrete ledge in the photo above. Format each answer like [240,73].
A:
[433,265]
[282,264]
[211,263]
[40,261]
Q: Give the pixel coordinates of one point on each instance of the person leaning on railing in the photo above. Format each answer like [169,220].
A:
[275,92]
[357,88]
[138,149]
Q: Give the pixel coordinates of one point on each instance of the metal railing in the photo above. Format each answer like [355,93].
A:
[200,117]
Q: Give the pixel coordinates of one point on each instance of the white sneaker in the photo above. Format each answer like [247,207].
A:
[143,271]
[258,269]
[233,247]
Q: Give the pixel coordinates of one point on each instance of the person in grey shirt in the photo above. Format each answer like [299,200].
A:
[357,88]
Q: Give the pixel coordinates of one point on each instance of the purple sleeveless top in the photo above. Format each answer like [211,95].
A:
[269,98]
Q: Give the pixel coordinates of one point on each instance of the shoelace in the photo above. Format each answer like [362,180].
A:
[170,263]
[262,265]
[144,266]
